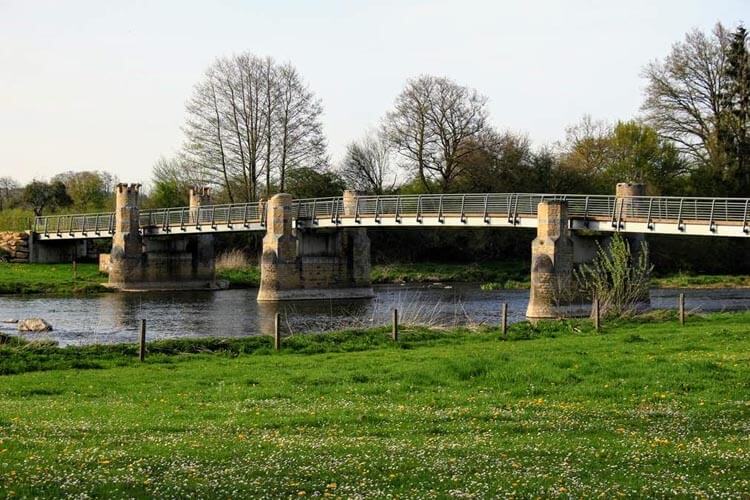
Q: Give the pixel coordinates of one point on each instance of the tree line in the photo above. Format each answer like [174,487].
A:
[253,128]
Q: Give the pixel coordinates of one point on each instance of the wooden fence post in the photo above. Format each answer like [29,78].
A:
[277,331]
[142,350]
[596,314]
[394,331]
[681,306]
[504,320]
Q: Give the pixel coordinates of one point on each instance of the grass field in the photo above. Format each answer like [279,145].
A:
[644,409]
[50,279]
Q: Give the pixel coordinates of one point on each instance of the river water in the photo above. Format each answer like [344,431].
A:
[115,317]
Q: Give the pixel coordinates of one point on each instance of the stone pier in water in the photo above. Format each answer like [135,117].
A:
[313,264]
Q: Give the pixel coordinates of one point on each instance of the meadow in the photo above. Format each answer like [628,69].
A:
[644,408]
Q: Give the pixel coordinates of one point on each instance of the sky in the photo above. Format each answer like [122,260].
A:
[102,85]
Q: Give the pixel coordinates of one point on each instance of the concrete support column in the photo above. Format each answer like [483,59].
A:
[551,263]
[126,259]
[278,264]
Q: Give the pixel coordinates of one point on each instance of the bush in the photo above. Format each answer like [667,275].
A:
[617,278]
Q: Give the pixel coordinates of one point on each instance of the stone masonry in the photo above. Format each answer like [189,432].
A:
[301,265]
[14,246]
[155,263]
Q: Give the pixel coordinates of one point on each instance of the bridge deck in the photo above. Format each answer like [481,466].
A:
[654,215]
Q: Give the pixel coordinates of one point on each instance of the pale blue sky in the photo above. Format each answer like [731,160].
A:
[102,85]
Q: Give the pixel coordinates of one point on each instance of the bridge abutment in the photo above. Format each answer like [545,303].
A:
[156,263]
[302,264]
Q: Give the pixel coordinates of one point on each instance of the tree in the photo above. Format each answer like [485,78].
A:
[436,123]
[41,195]
[8,188]
[249,118]
[735,124]
[638,154]
[684,99]
[366,166]
[306,182]
[88,190]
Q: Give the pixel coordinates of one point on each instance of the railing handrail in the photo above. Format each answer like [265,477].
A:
[619,209]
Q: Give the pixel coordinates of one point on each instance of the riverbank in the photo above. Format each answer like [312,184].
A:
[644,409]
[52,279]
[57,279]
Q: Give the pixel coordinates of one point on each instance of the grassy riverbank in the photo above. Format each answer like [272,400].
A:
[644,409]
[58,278]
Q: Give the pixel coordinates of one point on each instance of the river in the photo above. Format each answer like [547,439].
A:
[114,317]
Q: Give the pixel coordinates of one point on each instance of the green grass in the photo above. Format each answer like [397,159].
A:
[50,279]
[644,409]
[702,281]
[498,272]
[247,277]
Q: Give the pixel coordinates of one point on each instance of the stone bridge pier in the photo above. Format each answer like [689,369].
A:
[302,264]
[557,250]
[139,262]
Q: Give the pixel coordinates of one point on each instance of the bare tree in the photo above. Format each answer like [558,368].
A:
[433,126]
[367,167]
[300,140]
[683,95]
[249,118]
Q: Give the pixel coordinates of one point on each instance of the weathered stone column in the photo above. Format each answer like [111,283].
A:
[278,264]
[126,260]
[551,263]
[199,196]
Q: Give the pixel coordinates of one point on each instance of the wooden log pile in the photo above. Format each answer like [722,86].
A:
[14,246]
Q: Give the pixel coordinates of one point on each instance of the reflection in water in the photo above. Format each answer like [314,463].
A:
[234,313]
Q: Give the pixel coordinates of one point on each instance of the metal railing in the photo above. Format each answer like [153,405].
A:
[510,208]
[649,209]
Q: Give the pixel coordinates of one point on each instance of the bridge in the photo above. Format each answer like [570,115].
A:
[319,249]
[634,214]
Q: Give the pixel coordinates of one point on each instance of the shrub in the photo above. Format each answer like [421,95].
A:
[617,278]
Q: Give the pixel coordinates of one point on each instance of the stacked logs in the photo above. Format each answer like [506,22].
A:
[14,246]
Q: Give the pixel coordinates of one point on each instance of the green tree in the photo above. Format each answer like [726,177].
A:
[88,190]
[638,154]
[307,182]
[42,195]
[735,123]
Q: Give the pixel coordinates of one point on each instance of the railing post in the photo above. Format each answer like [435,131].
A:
[314,210]
[679,215]
[244,216]
[397,216]
[213,217]
[440,210]
[229,217]
[711,226]
[356,210]
[182,219]
[486,197]
[419,209]
[649,223]
[745,229]
[46,223]
[377,209]
[586,212]
[463,204]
